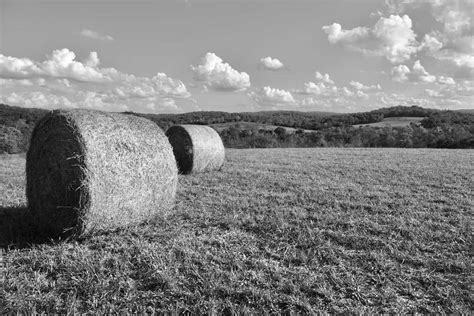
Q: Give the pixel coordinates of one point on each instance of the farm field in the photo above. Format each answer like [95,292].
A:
[402,121]
[277,230]
[251,125]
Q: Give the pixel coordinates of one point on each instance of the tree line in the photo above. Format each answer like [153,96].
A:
[438,129]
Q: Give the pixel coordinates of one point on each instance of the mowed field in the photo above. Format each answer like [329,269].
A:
[402,121]
[277,230]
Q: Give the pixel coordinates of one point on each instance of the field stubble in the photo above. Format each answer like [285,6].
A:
[308,230]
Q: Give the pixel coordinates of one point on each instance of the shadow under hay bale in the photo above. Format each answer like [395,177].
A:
[197,148]
[90,170]
[18,229]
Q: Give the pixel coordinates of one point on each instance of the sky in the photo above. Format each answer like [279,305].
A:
[174,56]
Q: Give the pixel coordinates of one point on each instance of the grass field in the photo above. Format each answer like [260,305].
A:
[256,126]
[402,121]
[277,230]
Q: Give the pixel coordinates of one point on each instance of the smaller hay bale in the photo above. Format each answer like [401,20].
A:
[197,148]
[91,170]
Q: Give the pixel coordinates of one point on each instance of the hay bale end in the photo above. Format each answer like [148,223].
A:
[197,148]
[90,170]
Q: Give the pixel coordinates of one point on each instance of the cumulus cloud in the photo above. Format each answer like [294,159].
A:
[312,88]
[271,63]
[452,43]
[391,37]
[417,74]
[324,94]
[272,96]
[431,43]
[218,75]
[323,78]
[18,68]
[62,81]
[323,85]
[454,15]
[96,35]
[61,64]
[360,86]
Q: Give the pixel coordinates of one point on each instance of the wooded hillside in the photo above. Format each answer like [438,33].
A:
[438,129]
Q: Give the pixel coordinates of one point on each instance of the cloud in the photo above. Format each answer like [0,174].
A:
[452,42]
[61,64]
[392,38]
[312,88]
[272,96]
[431,43]
[417,74]
[18,68]
[454,15]
[37,99]
[360,86]
[442,92]
[96,35]
[324,85]
[323,78]
[218,75]
[271,63]
[61,81]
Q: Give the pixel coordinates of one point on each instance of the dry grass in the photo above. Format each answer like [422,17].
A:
[90,170]
[197,148]
[302,230]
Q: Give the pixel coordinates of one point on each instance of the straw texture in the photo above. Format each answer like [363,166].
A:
[197,148]
[90,170]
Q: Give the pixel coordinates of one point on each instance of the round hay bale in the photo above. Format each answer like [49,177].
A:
[197,148]
[90,170]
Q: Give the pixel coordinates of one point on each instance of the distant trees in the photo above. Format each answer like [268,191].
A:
[11,140]
[412,136]
[439,129]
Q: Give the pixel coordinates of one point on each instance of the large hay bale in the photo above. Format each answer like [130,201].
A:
[90,170]
[197,148]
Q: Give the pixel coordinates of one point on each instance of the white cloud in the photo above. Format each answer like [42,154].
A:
[64,82]
[271,63]
[361,94]
[313,88]
[454,15]
[18,68]
[169,86]
[324,85]
[446,80]
[440,97]
[360,86]
[400,73]
[433,93]
[391,37]
[346,92]
[431,43]
[452,42]
[61,64]
[37,99]
[96,35]
[219,75]
[418,74]
[461,60]
[272,96]
[323,78]
[92,60]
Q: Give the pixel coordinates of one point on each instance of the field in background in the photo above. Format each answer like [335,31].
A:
[304,230]
[254,126]
[402,121]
